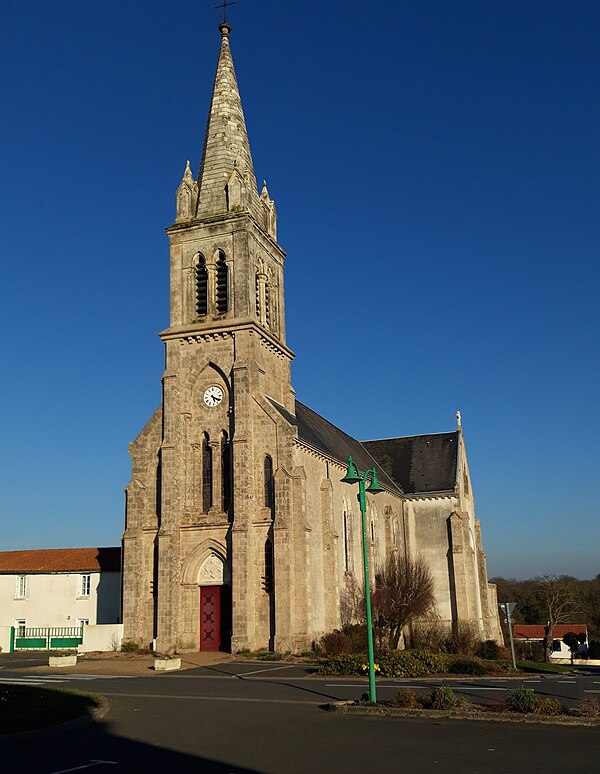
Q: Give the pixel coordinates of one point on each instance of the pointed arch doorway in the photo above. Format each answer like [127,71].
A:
[215,604]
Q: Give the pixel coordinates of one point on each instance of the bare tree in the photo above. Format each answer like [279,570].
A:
[559,600]
[403,593]
[352,602]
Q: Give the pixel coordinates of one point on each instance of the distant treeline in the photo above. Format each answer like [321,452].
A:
[530,609]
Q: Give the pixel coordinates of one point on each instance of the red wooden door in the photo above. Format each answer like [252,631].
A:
[210,617]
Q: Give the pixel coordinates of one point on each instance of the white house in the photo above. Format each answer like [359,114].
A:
[55,588]
[534,633]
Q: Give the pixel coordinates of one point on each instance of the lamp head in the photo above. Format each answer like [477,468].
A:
[374,487]
[352,475]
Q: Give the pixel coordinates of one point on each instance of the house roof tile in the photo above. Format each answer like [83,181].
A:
[536,631]
[61,560]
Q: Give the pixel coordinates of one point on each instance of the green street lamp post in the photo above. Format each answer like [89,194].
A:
[353,476]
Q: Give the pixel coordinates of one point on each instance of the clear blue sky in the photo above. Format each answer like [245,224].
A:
[436,170]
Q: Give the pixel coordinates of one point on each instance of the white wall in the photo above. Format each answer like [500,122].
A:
[101,637]
[55,600]
[5,638]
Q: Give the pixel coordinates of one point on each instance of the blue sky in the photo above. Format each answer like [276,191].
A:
[436,169]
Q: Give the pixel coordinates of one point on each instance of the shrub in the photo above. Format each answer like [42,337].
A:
[114,642]
[334,644]
[398,663]
[429,635]
[504,653]
[502,666]
[129,646]
[594,649]
[463,639]
[489,650]
[442,698]
[548,707]
[466,666]
[358,637]
[269,655]
[406,698]
[521,700]
[345,664]
[588,707]
[411,663]
[529,651]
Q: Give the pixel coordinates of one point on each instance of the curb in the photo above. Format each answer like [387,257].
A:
[349,708]
[59,728]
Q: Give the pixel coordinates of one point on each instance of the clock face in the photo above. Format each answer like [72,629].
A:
[213,396]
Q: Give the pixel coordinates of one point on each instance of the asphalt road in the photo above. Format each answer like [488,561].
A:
[268,718]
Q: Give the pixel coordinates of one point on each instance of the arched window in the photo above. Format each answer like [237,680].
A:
[269,484]
[207,474]
[201,287]
[268,576]
[346,536]
[225,473]
[222,285]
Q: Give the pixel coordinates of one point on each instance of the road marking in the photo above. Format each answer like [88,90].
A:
[24,681]
[100,677]
[93,762]
[42,679]
[395,686]
[591,690]
[269,669]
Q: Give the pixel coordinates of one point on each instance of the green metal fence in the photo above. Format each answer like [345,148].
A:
[45,638]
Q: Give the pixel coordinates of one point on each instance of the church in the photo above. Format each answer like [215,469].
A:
[239,533]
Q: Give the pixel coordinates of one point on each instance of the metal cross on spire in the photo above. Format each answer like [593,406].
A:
[224,5]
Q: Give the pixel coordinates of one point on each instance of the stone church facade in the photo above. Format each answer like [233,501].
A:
[239,532]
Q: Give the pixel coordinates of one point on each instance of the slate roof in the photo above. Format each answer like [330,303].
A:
[536,631]
[61,560]
[418,463]
[317,432]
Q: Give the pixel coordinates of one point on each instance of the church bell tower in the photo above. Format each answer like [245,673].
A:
[226,356]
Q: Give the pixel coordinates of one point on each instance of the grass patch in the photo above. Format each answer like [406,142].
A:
[23,708]
[543,666]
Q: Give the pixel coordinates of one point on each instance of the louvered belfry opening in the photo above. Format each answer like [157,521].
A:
[201,287]
[222,285]
[268,304]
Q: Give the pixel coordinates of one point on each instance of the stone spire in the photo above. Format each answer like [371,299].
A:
[226,159]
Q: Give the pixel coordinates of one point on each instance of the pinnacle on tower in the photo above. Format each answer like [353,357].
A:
[186,196]
[226,158]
